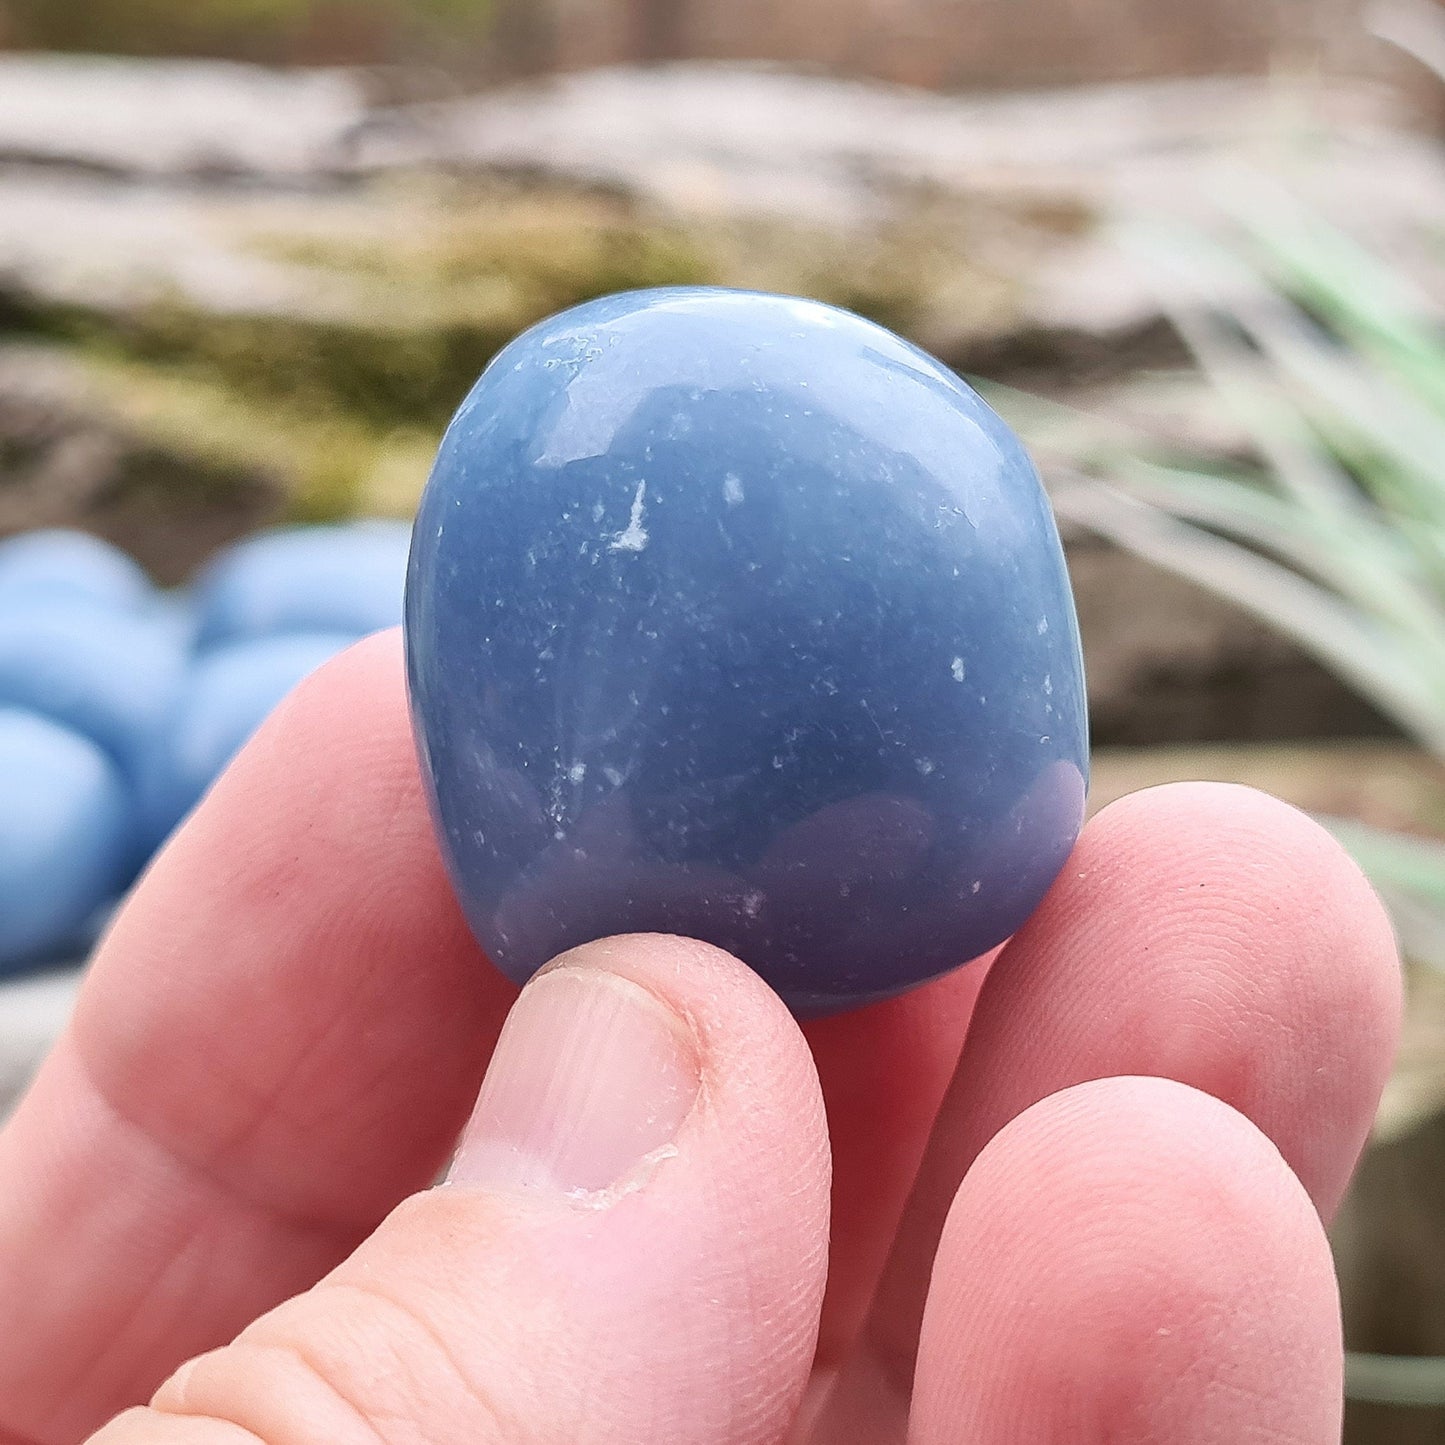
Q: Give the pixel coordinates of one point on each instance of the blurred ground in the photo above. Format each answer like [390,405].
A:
[230,294]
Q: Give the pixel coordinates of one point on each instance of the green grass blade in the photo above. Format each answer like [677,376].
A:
[1393,437]
[1370,304]
[1364,561]
[1285,440]
[1409,874]
[1396,442]
[1366,654]
[1402,1380]
[1397,860]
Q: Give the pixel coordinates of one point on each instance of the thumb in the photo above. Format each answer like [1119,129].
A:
[630,1247]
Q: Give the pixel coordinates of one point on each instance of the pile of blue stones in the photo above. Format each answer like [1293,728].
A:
[121,702]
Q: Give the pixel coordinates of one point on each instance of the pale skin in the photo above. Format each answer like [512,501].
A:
[1071,1194]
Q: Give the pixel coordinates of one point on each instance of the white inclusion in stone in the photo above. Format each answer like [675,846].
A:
[957,669]
[924,765]
[634,539]
[597,511]
[752,903]
[1048,685]
[577,772]
[977,884]
[1043,626]
[613,776]
[732,490]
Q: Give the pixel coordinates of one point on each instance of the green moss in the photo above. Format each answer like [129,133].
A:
[428,282]
[378,371]
[415,309]
[504,248]
[326,464]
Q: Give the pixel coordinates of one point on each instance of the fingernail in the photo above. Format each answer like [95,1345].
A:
[591,1076]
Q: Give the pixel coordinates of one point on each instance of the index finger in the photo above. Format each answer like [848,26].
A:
[278,1041]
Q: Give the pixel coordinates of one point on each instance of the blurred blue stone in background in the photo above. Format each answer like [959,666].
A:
[112,676]
[119,703]
[306,579]
[737,616]
[225,697]
[174,615]
[58,563]
[65,835]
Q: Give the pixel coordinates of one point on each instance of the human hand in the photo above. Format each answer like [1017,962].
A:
[284,1034]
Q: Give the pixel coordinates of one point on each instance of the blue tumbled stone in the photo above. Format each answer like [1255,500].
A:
[60,563]
[65,836]
[736,616]
[227,694]
[346,578]
[110,675]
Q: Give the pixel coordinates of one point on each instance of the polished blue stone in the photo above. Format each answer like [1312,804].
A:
[306,579]
[736,616]
[65,836]
[225,696]
[60,563]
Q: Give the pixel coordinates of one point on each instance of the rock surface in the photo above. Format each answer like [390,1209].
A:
[199,119]
[136,181]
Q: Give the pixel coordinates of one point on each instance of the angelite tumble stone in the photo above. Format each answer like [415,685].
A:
[735,616]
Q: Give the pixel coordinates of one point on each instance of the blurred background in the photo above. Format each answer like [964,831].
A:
[253,253]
